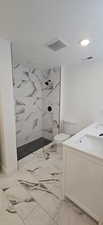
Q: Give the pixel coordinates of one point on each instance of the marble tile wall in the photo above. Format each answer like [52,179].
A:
[34,92]
[51,102]
[28,104]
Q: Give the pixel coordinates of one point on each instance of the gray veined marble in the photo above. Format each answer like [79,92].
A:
[18,132]
[20,111]
[35,123]
[53,88]
[19,103]
[33,90]
[16,66]
[32,98]
[34,194]
[29,115]
[52,97]
[27,91]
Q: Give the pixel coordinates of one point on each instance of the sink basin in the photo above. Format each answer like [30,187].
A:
[91,144]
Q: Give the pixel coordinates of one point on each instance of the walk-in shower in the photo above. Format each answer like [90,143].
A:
[37,107]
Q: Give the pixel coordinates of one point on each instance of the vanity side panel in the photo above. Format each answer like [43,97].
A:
[83,182]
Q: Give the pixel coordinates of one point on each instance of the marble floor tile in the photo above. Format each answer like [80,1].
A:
[48,201]
[22,162]
[7,181]
[36,161]
[45,172]
[4,203]
[38,217]
[20,201]
[17,194]
[56,189]
[68,214]
[10,219]
[33,195]
[26,176]
[24,209]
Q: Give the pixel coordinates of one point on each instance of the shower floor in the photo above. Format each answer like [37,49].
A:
[33,146]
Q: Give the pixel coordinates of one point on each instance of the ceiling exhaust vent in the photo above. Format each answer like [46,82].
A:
[88,58]
[56,45]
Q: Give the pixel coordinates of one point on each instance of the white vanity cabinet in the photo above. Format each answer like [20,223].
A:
[83,181]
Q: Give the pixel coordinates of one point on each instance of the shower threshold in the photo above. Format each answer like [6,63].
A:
[31,147]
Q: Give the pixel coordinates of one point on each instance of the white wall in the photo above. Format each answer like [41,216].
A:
[82,93]
[7,115]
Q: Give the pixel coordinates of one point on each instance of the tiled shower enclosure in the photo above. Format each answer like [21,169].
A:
[37,103]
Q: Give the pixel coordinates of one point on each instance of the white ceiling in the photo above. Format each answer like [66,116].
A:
[30,24]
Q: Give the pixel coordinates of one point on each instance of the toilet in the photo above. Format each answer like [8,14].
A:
[61,137]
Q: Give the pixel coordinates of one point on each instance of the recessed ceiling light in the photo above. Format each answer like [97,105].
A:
[85,42]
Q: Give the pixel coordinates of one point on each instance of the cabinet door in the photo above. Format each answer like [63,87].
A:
[84,183]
